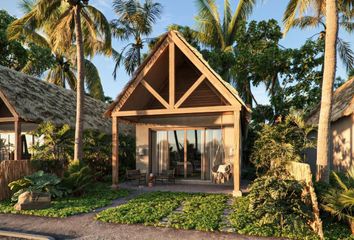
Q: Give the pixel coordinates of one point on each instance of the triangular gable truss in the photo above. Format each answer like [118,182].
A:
[172,105]
[14,116]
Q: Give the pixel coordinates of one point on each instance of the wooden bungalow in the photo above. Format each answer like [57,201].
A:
[188,119]
[342,122]
[26,101]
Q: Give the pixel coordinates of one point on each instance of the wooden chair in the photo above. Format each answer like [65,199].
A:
[135,175]
[166,175]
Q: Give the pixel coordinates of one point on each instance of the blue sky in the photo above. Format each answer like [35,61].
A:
[183,12]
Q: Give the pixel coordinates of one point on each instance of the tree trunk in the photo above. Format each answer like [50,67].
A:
[351,225]
[323,140]
[78,152]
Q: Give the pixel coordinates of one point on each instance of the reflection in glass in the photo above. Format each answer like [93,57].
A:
[194,153]
[176,151]
[214,151]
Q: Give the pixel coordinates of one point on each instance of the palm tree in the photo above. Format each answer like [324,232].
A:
[330,10]
[62,73]
[318,21]
[70,22]
[339,199]
[220,33]
[135,20]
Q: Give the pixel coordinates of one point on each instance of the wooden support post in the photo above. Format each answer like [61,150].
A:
[237,162]
[115,152]
[18,142]
[172,75]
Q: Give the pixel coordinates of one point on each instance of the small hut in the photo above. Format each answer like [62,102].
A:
[26,101]
[189,121]
[342,130]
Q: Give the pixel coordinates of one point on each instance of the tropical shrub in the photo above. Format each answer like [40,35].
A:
[276,206]
[52,153]
[38,182]
[77,178]
[281,142]
[98,153]
[338,199]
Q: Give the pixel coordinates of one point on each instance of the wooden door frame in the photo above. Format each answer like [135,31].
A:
[203,139]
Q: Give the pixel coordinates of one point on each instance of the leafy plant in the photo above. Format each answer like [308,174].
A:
[275,207]
[38,182]
[97,196]
[147,209]
[98,153]
[56,144]
[338,200]
[201,212]
[281,142]
[77,178]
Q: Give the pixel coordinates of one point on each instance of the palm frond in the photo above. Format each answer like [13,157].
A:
[62,34]
[71,79]
[340,182]
[103,27]
[293,9]
[307,21]
[93,81]
[27,5]
[209,25]
[346,54]
[243,10]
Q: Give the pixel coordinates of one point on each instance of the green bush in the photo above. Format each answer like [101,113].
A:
[281,142]
[38,182]
[77,178]
[275,206]
[148,209]
[201,212]
[98,153]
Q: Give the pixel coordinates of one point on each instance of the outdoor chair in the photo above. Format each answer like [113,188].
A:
[135,175]
[221,173]
[166,175]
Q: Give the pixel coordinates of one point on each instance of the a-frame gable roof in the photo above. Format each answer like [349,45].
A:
[194,56]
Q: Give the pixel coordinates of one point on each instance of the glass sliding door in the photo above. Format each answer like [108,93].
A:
[214,151]
[194,153]
[176,141]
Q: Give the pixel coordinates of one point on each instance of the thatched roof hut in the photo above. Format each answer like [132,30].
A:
[342,105]
[36,101]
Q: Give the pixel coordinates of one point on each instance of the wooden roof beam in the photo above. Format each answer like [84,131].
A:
[190,91]
[171,74]
[190,110]
[155,94]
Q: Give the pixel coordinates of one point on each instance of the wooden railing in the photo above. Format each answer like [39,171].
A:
[11,170]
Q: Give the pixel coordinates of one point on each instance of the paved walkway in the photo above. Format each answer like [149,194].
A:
[85,227]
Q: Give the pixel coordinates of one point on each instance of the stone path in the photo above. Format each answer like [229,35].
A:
[85,227]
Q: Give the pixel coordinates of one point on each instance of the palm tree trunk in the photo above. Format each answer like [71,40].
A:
[78,152]
[323,141]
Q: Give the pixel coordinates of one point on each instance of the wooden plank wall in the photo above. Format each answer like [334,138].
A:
[11,170]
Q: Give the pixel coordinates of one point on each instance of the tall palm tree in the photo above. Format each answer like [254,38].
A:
[62,73]
[330,10]
[72,21]
[291,19]
[135,20]
[220,33]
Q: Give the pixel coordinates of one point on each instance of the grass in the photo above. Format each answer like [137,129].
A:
[148,209]
[98,196]
[201,212]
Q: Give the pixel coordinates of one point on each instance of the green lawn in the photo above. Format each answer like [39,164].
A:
[148,208]
[98,196]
